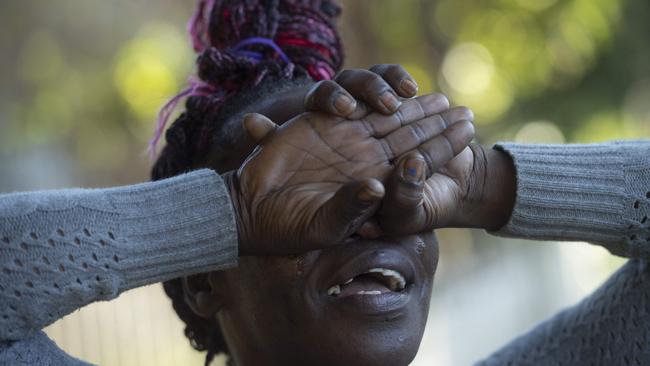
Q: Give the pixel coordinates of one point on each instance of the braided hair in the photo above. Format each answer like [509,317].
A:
[246,49]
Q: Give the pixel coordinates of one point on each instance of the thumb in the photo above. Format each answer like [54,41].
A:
[258,126]
[402,211]
[344,213]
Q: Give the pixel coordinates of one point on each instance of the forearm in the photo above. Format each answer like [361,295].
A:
[598,193]
[64,249]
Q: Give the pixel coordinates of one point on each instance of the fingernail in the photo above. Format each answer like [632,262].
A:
[413,170]
[344,104]
[409,86]
[390,101]
[370,194]
[366,195]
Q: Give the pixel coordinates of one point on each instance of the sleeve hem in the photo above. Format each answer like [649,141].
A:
[572,192]
[175,227]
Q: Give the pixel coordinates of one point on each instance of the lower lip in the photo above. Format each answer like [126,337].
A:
[381,304]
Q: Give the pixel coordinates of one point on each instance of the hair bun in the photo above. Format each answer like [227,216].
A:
[303,30]
[242,42]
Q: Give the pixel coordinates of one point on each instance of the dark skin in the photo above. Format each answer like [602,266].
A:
[276,310]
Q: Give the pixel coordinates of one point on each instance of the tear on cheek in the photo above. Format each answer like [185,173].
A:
[420,245]
[299,262]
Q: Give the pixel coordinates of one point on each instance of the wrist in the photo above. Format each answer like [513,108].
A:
[232,183]
[492,190]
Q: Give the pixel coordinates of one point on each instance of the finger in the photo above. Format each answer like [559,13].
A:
[402,211]
[411,110]
[457,114]
[371,88]
[438,151]
[343,214]
[398,78]
[361,111]
[411,136]
[329,97]
[258,126]
[370,230]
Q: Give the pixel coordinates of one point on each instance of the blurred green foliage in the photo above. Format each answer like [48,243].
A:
[90,76]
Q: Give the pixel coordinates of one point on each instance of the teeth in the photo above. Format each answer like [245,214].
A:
[334,290]
[397,281]
[375,292]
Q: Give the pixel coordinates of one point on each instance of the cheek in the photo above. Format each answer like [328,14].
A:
[426,245]
[266,284]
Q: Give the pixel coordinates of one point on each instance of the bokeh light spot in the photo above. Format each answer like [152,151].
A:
[468,68]
[147,71]
[541,132]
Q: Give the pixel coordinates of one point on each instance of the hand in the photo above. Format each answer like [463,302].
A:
[312,182]
[351,93]
[470,187]
[380,88]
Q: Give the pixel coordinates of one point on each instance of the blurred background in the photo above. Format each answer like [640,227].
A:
[82,80]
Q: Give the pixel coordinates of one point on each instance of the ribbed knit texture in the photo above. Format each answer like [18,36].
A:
[61,250]
[598,193]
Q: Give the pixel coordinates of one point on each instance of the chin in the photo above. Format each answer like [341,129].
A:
[370,345]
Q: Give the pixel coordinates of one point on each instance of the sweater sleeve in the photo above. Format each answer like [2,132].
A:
[598,193]
[61,250]
[36,350]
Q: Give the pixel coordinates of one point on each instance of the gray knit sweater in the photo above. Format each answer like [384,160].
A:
[62,250]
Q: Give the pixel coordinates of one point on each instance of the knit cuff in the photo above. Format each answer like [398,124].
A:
[568,193]
[176,227]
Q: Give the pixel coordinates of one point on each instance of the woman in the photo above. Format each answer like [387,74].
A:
[366,303]
[302,309]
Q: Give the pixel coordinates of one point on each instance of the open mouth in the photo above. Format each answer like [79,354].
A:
[375,281]
[375,278]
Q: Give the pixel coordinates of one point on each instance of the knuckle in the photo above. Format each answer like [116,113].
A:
[396,70]
[324,91]
[378,68]
[441,98]
[376,84]
[314,90]
[345,74]
[407,196]
[327,85]
[466,113]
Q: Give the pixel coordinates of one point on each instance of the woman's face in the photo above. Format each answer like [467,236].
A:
[364,302]
[360,303]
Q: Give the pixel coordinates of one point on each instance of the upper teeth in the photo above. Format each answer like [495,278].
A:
[396,279]
[334,290]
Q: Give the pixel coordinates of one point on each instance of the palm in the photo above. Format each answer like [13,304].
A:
[446,188]
[294,175]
